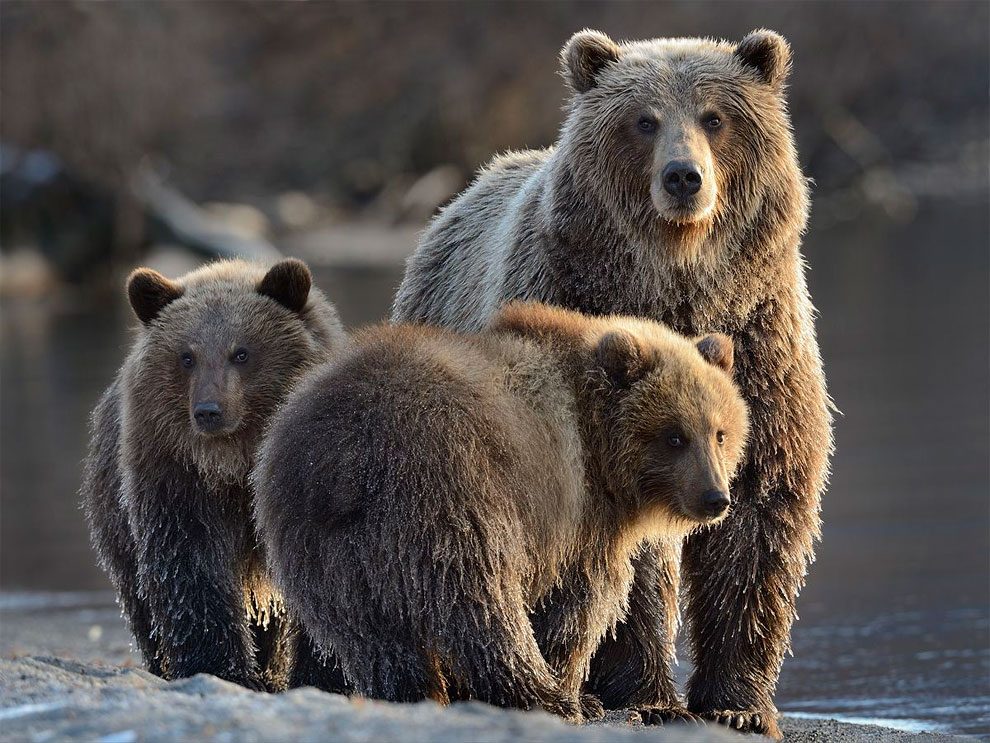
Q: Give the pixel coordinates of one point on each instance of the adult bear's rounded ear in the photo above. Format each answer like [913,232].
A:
[622,358]
[583,57]
[717,349]
[149,292]
[288,282]
[769,53]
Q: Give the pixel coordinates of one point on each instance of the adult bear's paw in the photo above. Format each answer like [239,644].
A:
[665,714]
[591,707]
[747,721]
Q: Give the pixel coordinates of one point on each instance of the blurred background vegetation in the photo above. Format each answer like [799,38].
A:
[170,132]
[283,117]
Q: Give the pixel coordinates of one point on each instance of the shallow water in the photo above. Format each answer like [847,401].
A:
[894,620]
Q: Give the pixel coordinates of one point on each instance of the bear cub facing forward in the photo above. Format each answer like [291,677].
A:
[453,516]
[166,488]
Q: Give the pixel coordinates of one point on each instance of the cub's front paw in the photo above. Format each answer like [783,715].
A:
[256,683]
[252,681]
[592,708]
[665,714]
[746,721]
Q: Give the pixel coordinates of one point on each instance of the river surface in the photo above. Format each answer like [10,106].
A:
[894,619]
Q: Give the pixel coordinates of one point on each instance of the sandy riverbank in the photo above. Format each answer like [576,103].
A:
[67,673]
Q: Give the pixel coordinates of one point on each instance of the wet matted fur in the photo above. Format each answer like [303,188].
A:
[454,516]
[588,224]
[169,506]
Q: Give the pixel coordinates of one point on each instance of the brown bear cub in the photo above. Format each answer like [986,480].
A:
[453,516]
[166,487]
[673,192]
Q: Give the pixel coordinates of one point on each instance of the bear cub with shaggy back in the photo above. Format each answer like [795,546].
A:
[166,487]
[453,515]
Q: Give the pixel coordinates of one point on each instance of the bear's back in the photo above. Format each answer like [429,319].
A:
[417,421]
[456,275]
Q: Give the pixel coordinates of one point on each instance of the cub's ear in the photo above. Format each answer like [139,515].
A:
[288,283]
[149,292]
[583,57]
[717,350]
[622,358]
[769,53]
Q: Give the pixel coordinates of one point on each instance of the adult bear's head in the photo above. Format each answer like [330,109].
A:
[683,141]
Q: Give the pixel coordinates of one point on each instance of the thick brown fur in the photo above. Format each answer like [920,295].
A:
[589,225]
[169,506]
[453,516]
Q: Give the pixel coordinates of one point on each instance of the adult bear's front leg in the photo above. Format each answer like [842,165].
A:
[191,551]
[744,575]
[633,668]
[743,578]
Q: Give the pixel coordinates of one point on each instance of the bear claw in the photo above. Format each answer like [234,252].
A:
[667,714]
[749,721]
[591,707]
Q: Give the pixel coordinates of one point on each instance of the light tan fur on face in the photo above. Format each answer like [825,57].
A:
[682,139]
[678,82]
[676,388]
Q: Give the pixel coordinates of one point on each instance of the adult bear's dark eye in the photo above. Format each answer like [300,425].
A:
[720,437]
[676,440]
[240,356]
[712,121]
[647,125]
[187,360]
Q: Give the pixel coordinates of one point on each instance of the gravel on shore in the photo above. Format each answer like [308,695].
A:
[66,673]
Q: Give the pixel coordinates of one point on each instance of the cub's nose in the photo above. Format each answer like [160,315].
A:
[208,416]
[681,178]
[715,502]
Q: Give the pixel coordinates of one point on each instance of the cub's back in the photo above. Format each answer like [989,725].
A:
[408,425]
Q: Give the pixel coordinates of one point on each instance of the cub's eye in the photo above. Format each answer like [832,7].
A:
[676,440]
[711,121]
[187,360]
[720,437]
[240,356]
[646,125]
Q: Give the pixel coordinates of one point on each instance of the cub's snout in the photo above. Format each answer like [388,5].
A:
[715,503]
[208,417]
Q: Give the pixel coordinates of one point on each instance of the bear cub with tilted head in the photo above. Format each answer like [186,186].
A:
[166,488]
[453,515]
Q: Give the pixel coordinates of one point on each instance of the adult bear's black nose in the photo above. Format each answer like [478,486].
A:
[208,416]
[715,502]
[681,178]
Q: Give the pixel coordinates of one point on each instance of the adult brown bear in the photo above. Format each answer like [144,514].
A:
[673,192]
